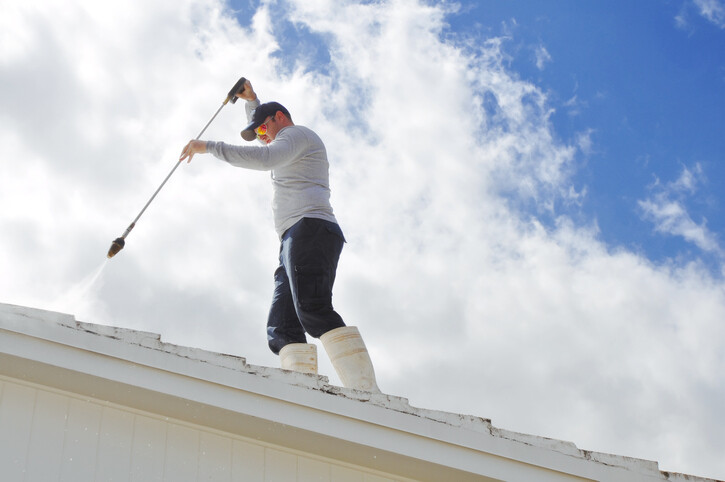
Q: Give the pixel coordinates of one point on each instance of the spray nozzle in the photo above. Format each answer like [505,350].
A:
[116,246]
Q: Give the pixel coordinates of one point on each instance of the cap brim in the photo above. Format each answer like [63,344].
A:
[248,133]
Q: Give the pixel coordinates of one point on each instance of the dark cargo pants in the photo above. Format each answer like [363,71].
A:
[302,300]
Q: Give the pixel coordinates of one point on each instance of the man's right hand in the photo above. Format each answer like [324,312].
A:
[248,92]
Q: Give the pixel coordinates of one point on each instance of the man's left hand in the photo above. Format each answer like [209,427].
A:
[193,147]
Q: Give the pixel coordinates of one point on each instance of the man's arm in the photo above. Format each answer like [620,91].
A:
[289,145]
[199,147]
[247,93]
[250,96]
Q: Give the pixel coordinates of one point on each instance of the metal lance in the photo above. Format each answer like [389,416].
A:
[118,243]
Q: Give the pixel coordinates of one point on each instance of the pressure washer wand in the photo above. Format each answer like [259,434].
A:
[118,243]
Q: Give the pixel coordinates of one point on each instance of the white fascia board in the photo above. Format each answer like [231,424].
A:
[226,393]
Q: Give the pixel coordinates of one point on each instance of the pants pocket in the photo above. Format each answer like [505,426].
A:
[313,288]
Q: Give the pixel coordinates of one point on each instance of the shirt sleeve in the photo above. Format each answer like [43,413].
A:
[249,108]
[288,146]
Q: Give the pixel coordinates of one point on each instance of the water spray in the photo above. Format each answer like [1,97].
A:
[118,243]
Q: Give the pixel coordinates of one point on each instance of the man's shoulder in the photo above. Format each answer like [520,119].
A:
[301,131]
[304,129]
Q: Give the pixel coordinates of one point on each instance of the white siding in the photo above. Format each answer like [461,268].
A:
[114,445]
[313,471]
[247,461]
[16,419]
[48,435]
[279,466]
[215,458]
[182,454]
[80,446]
[149,438]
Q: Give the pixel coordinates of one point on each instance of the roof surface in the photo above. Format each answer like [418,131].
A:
[385,432]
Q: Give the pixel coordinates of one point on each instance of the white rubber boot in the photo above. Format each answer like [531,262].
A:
[351,360]
[299,357]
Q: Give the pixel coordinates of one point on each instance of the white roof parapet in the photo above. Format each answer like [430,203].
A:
[32,340]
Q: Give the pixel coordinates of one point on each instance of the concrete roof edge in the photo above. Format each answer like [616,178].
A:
[130,345]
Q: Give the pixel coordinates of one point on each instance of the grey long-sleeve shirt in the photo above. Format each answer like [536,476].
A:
[299,169]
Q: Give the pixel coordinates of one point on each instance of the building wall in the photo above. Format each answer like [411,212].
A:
[48,434]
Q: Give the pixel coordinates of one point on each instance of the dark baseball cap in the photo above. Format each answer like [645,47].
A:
[260,114]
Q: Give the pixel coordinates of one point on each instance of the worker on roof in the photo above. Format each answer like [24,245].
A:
[311,241]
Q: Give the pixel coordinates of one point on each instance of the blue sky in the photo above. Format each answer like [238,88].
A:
[531,194]
[642,81]
[646,78]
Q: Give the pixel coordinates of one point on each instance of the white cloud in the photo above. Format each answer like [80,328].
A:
[712,10]
[467,304]
[584,141]
[542,57]
[670,216]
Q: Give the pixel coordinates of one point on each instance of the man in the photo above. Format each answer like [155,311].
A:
[311,241]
